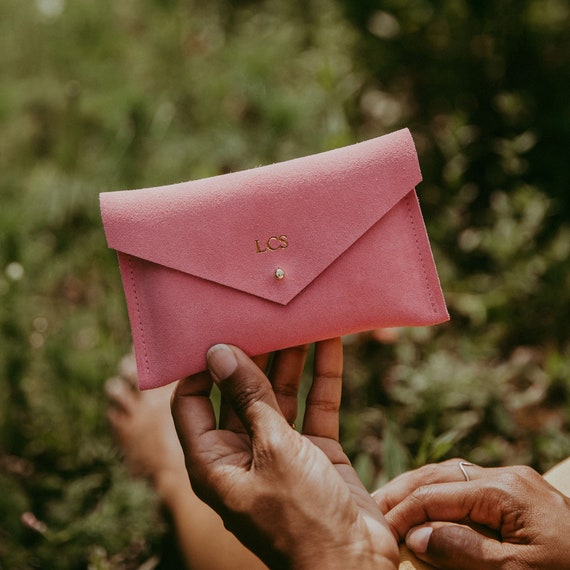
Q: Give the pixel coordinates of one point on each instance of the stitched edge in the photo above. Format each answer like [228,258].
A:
[131,271]
[430,292]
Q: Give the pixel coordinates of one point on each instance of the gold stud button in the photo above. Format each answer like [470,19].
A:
[279,273]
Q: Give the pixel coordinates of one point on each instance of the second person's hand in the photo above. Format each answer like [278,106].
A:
[459,515]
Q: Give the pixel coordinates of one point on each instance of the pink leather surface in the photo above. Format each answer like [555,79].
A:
[197,268]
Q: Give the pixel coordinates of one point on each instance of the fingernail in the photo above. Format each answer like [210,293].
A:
[417,539]
[222,361]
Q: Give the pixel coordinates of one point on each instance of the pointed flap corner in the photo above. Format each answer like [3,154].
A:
[271,230]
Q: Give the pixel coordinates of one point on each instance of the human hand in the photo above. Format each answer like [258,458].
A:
[507,518]
[143,427]
[293,499]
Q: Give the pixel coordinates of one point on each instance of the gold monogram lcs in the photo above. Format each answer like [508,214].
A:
[272,244]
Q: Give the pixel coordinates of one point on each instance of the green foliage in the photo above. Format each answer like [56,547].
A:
[483,87]
[101,95]
[105,96]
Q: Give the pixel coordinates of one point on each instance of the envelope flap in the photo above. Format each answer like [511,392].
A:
[238,229]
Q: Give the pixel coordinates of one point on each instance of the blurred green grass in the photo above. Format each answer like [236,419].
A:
[100,96]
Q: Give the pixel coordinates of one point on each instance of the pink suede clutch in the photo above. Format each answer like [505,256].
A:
[276,256]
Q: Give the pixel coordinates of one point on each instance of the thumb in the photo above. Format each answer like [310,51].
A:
[246,389]
[450,546]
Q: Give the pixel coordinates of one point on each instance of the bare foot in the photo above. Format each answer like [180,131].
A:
[143,426]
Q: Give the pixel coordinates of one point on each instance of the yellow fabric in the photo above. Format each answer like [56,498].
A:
[408,560]
[558,476]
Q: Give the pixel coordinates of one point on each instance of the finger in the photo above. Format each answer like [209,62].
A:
[127,368]
[228,418]
[285,376]
[323,401]
[404,485]
[192,411]
[121,394]
[451,546]
[262,361]
[479,502]
[246,389]
[116,417]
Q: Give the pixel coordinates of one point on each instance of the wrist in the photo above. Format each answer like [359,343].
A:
[361,555]
[342,539]
[344,560]
[171,485]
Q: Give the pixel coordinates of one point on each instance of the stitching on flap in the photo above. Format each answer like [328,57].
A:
[138,312]
[430,292]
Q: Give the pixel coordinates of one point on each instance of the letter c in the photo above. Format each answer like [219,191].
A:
[273,238]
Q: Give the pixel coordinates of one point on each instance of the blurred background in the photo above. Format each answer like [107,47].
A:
[101,95]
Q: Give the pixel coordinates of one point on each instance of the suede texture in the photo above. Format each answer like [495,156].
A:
[198,259]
